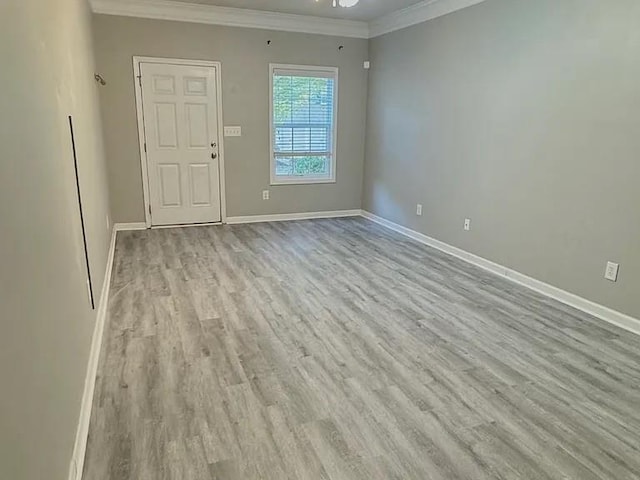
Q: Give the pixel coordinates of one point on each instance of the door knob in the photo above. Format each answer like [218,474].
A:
[214,156]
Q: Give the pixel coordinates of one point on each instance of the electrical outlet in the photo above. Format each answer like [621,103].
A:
[265,195]
[367,65]
[467,224]
[419,210]
[611,272]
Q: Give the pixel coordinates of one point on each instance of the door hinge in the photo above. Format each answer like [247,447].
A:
[140,79]
[145,147]
[149,209]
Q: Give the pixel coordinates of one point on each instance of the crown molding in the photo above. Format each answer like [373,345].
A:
[418,13]
[239,17]
[232,17]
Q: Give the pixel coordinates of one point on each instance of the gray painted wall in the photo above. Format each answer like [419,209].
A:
[245,59]
[46,321]
[523,116]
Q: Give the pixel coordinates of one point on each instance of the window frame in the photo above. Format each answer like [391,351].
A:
[309,71]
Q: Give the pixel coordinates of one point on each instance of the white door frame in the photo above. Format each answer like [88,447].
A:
[141,134]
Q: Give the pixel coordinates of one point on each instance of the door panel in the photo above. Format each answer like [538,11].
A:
[197,125]
[170,185]
[195,86]
[164,85]
[181,134]
[200,186]
[166,125]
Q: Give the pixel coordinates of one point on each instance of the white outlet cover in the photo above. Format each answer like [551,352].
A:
[419,210]
[367,65]
[265,194]
[233,131]
[611,273]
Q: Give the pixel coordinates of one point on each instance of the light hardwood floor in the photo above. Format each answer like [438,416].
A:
[336,349]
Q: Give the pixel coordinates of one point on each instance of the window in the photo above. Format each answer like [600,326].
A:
[303,124]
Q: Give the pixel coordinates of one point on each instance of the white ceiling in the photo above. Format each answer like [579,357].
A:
[366,10]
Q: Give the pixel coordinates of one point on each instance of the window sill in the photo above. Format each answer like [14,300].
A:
[302,181]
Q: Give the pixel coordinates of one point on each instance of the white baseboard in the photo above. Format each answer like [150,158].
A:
[125,227]
[186,225]
[287,217]
[122,227]
[80,446]
[604,313]
[283,217]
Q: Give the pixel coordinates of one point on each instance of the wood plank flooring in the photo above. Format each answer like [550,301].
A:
[336,349]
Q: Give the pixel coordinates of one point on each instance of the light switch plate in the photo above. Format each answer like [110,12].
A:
[611,273]
[233,131]
[367,65]
[467,224]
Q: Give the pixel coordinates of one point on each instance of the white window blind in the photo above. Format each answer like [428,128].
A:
[303,124]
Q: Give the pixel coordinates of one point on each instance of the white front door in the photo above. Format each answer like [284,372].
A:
[181,136]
